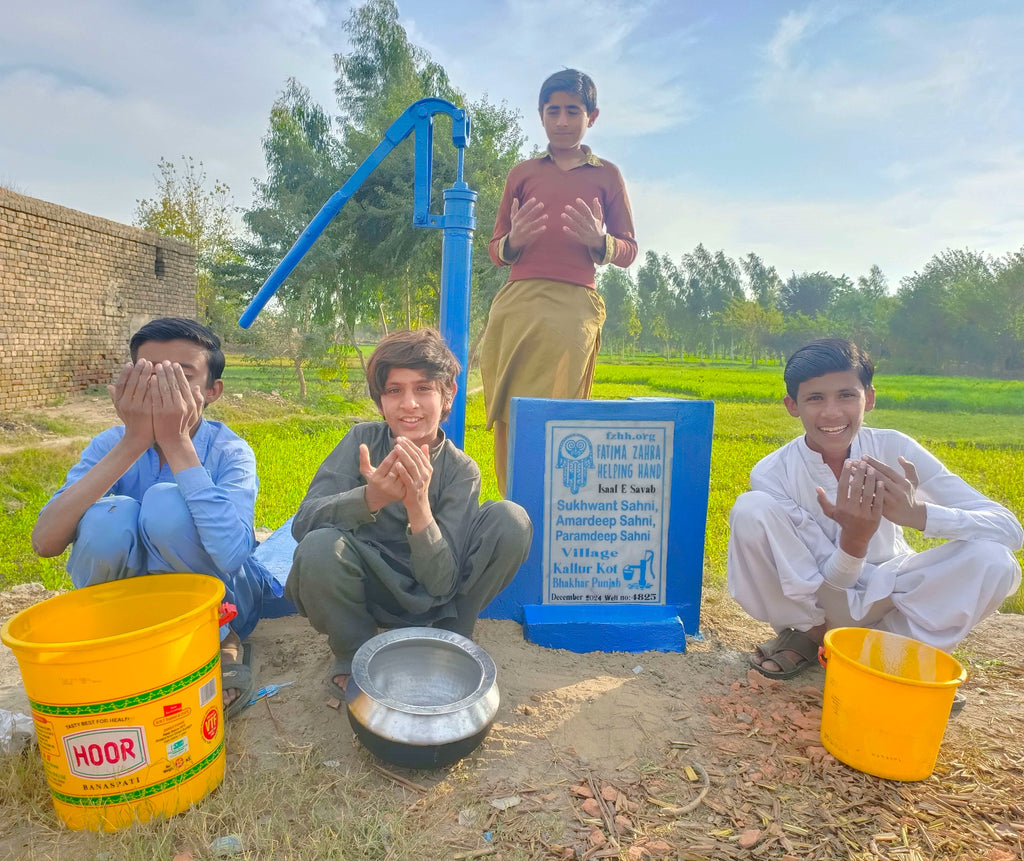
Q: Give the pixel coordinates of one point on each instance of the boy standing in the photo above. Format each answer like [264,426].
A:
[391,531]
[167,490]
[818,542]
[561,215]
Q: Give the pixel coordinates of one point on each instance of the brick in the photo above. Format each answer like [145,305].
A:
[74,288]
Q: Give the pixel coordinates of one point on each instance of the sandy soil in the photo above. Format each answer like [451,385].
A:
[721,761]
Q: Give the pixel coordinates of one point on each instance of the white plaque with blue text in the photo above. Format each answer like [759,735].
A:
[606,511]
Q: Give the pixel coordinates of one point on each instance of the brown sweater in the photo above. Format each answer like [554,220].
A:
[554,255]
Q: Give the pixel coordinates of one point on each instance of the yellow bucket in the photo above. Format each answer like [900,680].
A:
[124,683]
[887,702]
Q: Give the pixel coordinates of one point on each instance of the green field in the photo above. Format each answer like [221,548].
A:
[974,426]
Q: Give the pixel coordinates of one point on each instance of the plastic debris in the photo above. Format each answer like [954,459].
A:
[226,846]
[17,731]
[638,669]
[268,691]
[506,802]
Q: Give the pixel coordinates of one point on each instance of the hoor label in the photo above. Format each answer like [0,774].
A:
[104,753]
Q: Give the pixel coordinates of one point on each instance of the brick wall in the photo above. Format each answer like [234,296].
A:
[74,288]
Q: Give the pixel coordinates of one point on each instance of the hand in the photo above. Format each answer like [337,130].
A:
[858,506]
[383,484]
[177,406]
[415,469]
[585,224]
[131,398]
[899,504]
[528,222]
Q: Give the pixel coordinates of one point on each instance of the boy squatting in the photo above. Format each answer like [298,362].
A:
[818,542]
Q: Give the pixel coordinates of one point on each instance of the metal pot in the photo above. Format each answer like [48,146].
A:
[421,697]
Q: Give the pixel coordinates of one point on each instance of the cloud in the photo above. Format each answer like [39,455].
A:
[96,94]
[882,66]
[625,46]
[979,209]
[792,28]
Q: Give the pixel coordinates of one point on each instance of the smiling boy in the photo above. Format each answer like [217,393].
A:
[561,215]
[391,531]
[818,542]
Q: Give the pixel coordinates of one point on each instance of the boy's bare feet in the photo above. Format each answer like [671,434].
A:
[337,683]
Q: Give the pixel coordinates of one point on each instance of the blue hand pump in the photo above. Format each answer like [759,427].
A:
[458,223]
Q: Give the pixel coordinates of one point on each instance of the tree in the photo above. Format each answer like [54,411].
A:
[654,301]
[377,79]
[1010,291]
[186,208]
[622,325]
[753,326]
[371,264]
[709,283]
[947,314]
[763,281]
[862,313]
[304,167]
[811,293]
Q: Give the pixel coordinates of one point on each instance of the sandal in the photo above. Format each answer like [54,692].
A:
[336,690]
[959,701]
[789,640]
[239,677]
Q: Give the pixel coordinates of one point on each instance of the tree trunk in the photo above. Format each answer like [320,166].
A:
[302,377]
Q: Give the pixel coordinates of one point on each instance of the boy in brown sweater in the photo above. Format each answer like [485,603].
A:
[561,215]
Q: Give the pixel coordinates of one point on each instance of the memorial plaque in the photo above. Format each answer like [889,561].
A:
[607,504]
[615,563]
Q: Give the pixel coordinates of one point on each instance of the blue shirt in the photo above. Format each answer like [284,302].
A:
[220,494]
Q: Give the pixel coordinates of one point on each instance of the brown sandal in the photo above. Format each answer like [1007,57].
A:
[789,640]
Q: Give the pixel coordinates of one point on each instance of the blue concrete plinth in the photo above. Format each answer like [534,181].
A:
[618,495]
[587,628]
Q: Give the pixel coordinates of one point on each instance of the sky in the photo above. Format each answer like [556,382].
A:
[820,136]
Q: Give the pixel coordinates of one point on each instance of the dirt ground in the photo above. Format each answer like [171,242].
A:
[667,755]
[653,755]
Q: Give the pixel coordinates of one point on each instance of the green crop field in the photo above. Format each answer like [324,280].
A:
[975,426]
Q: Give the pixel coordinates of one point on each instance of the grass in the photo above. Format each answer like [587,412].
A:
[326,814]
[301,807]
[290,440]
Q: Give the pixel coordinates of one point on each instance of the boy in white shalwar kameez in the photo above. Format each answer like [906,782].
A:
[818,543]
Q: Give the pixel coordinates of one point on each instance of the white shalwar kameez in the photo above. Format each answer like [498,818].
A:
[785,566]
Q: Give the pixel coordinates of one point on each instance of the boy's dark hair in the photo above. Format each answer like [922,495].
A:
[420,349]
[182,329]
[570,81]
[824,357]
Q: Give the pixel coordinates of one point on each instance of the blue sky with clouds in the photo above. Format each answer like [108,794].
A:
[819,135]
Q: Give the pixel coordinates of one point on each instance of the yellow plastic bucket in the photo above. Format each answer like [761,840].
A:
[887,701]
[124,683]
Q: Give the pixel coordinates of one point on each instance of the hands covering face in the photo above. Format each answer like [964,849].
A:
[156,402]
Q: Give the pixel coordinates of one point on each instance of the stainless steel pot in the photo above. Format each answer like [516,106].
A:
[421,697]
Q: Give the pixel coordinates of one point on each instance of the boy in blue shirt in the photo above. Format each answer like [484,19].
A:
[166,490]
